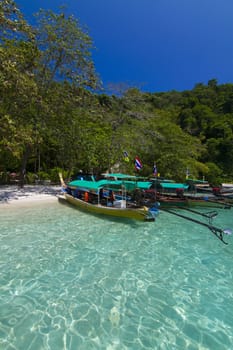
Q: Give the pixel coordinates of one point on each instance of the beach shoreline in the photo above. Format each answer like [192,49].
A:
[29,194]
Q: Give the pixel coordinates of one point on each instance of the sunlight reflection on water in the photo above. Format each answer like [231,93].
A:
[69,280]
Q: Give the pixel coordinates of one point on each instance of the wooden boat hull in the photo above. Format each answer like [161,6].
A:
[142,214]
[189,203]
[172,202]
[205,203]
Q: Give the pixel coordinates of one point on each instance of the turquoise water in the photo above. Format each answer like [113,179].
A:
[72,281]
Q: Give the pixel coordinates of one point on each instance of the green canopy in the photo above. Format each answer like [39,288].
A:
[88,185]
[113,184]
[119,176]
[171,185]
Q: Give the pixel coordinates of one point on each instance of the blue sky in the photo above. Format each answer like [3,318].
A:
[154,45]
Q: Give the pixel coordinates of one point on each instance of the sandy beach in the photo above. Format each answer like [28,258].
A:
[13,195]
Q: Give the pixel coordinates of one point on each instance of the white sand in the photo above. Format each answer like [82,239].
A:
[29,194]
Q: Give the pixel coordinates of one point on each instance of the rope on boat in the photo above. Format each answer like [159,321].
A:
[218,232]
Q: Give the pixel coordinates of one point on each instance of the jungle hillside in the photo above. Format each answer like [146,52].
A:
[56,116]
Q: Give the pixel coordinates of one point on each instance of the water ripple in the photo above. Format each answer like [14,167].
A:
[72,281]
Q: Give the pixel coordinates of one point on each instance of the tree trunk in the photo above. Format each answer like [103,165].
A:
[24,165]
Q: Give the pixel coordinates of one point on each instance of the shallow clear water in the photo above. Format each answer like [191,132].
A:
[69,280]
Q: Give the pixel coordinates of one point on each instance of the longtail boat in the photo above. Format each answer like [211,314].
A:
[96,197]
[151,197]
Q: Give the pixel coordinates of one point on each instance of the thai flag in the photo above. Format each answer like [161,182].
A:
[137,164]
[155,172]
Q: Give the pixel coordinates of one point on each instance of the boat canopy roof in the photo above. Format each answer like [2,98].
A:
[160,180]
[196,181]
[113,184]
[171,185]
[132,185]
[88,185]
[120,176]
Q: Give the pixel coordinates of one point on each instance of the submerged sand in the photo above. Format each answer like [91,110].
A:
[13,195]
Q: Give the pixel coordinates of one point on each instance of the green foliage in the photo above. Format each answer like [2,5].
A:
[215,174]
[54,174]
[12,22]
[43,175]
[65,50]
[31,178]
[51,120]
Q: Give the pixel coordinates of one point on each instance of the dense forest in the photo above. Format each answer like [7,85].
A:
[55,115]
